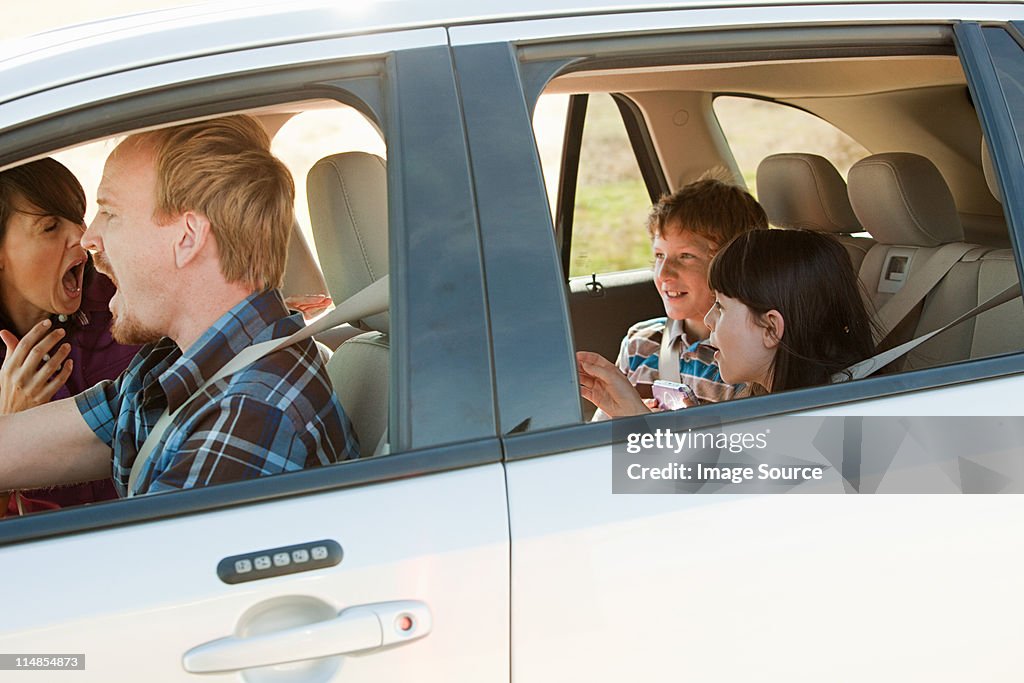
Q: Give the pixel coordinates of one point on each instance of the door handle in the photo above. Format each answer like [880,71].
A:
[356,629]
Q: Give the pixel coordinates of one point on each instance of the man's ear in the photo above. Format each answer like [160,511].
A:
[192,237]
[774,327]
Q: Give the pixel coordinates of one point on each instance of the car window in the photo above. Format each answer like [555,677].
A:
[303,139]
[883,108]
[611,201]
[347,216]
[756,128]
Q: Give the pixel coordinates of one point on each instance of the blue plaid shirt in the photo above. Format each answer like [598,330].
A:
[638,360]
[279,414]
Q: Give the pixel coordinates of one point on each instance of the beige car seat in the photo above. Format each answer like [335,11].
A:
[348,209]
[799,190]
[969,283]
[903,201]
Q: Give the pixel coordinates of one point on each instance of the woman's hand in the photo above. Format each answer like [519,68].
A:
[33,371]
[310,305]
[606,387]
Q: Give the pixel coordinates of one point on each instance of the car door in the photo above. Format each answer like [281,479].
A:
[671,581]
[390,568]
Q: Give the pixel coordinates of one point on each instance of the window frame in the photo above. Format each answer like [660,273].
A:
[373,84]
[542,60]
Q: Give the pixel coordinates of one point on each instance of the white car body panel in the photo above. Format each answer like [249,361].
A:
[407,540]
[998,397]
[764,587]
[54,58]
[102,88]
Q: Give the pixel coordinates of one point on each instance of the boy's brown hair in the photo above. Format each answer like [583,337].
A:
[711,208]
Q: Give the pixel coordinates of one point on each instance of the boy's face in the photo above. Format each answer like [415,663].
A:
[681,261]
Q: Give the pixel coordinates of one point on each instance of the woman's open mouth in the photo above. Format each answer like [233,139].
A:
[72,279]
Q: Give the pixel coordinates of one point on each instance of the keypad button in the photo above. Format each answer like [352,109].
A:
[243,566]
[319,552]
[300,555]
[262,562]
[282,559]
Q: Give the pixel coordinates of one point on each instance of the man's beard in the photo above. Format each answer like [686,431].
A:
[128,330]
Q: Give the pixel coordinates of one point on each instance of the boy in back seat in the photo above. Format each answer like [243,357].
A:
[686,229]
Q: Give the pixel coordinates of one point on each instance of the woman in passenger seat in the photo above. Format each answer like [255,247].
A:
[686,229]
[788,312]
[54,315]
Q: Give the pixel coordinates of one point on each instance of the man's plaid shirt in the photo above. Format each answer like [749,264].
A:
[277,415]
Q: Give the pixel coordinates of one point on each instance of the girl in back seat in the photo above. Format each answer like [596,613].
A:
[788,312]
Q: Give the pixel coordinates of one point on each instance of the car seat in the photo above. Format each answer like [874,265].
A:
[799,190]
[969,283]
[903,201]
[348,209]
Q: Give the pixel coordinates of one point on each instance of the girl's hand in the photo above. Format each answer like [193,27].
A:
[33,371]
[606,387]
[310,305]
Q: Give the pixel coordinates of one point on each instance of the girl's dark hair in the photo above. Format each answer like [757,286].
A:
[808,278]
[46,184]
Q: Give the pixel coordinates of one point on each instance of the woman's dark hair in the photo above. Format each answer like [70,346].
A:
[47,185]
[808,278]
[51,190]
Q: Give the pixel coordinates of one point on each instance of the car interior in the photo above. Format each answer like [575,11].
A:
[925,188]
[919,211]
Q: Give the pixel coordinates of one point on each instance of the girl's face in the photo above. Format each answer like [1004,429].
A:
[681,259]
[745,349]
[42,263]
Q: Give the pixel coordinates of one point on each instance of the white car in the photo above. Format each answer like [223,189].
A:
[483,541]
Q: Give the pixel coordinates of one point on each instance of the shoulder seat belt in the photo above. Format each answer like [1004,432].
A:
[668,359]
[870,365]
[926,276]
[368,301]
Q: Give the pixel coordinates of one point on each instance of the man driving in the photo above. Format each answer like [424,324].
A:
[192,226]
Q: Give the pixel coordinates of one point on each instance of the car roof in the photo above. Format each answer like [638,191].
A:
[98,48]
[80,52]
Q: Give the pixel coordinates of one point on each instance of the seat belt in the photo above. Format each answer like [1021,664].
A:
[870,365]
[368,301]
[926,276]
[670,371]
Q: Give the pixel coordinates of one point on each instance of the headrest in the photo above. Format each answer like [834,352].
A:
[901,198]
[348,209]
[989,170]
[805,191]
